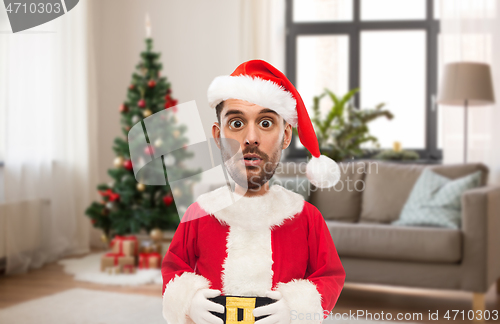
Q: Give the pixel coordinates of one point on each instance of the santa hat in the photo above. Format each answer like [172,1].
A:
[259,82]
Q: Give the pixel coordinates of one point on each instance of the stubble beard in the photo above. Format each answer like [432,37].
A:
[252,177]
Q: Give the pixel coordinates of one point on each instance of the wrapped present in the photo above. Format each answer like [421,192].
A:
[149,246]
[128,268]
[110,260]
[113,270]
[128,245]
[149,260]
[126,260]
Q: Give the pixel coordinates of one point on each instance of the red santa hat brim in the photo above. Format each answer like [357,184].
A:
[261,92]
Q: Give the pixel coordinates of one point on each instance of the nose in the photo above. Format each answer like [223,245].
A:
[252,136]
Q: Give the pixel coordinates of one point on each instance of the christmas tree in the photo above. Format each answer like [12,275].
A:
[129,206]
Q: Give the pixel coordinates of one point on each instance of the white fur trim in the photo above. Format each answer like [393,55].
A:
[178,295]
[323,172]
[261,92]
[247,269]
[304,301]
[252,213]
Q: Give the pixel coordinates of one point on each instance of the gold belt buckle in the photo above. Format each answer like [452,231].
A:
[235,303]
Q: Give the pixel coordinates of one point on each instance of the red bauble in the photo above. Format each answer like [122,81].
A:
[152,83]
[141,103]
[167,200]
[149,150]
[128,165]
[131,87]
[123,108]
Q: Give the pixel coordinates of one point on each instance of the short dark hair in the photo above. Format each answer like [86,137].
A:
[218,110]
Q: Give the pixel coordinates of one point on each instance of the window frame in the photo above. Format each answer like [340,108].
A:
[353,30]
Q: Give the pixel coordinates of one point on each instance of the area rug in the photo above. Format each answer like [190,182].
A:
[85,306]
[88,269]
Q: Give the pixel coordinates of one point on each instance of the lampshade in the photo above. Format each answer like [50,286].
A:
[469,81]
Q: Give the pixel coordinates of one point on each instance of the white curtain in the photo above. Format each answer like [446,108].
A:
[470,31]
[263,31]
[49,172]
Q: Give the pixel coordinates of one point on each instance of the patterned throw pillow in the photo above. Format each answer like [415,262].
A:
[436,200]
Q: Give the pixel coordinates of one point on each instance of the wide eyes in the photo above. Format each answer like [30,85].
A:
[236,123]
[265,123]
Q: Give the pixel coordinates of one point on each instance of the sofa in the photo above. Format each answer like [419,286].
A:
[371,194]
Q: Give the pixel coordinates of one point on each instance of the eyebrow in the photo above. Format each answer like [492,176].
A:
[239,112]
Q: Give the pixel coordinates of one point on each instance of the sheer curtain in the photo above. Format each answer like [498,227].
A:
[470,31]
[49,108]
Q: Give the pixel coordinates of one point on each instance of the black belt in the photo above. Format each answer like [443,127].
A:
[238,309]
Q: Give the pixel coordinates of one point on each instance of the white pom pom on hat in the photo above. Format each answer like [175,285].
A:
[261,83]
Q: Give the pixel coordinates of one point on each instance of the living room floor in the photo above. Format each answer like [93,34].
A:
[51,279]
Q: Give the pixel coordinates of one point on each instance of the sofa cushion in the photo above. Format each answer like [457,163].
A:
[388,242]
[436,200]
[342,202]
[388,186]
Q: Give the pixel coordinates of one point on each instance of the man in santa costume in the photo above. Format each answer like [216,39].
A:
[258,240]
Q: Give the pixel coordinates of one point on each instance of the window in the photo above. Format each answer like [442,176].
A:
[387,48]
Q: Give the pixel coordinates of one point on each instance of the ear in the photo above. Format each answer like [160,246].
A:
[216,133]
[287,136]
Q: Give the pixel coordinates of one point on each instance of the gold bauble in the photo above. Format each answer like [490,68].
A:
[141,187]
[177,193]
[156,234]
[118,162]
[176,133]
[147,113]
[104,238]
[158,142]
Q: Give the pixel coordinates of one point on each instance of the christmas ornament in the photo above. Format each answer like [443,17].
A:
[128,165]
[147,113]
[112,196]
[156,234]
[118,162]
[135,119]
[259,82]
[131,87]
[141,103]
[149,150]
[127,128]
[177,193]
[176,133]
[158,142]
[167,200]
[141,187]
[109,205]
[152,83]
[169,160]
[123,108]
[104,239]
[93,221]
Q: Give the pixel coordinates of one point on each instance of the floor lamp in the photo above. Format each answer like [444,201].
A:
[467,84]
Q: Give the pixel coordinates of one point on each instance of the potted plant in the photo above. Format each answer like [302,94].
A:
[345,128]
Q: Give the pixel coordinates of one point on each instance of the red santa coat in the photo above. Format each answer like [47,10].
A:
[246,246]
